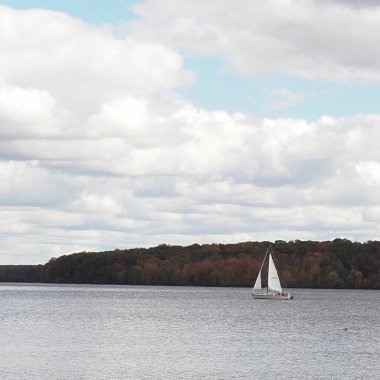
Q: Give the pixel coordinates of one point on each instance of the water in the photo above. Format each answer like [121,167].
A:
[141,332]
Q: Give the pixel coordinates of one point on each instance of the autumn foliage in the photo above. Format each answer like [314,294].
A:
[329,264]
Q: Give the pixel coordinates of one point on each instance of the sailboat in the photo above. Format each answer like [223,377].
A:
[273,290]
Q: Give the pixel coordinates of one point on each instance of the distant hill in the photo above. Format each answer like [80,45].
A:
[301,264]
[22,273]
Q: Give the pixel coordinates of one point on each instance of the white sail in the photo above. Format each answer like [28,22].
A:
[274,290]
[273,280]
[258,281]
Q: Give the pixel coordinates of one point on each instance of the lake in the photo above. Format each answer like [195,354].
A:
[145,332]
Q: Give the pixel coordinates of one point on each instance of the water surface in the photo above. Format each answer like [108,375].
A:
[143,332]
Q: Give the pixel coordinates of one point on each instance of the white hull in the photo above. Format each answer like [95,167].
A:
[272,296]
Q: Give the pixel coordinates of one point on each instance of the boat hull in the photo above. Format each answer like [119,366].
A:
[273,296]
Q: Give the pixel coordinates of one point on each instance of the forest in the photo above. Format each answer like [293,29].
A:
[340,263]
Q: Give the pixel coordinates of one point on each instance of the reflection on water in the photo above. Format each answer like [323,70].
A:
[143,332]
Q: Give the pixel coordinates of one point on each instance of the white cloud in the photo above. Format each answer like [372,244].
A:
[369,172]
[283,98]
[98,152]
[25,105]
[30,112]
[308,39]
[77,62]
[94,203]
[26,183]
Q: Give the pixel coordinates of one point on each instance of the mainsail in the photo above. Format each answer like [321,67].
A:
[273,280]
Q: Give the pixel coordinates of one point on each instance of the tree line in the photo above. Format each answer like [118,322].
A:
[301,264]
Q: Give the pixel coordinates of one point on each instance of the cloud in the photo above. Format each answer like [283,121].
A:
[75,61]
[283,98]
[308,39]
[355,4]
[98,152]
[25,183]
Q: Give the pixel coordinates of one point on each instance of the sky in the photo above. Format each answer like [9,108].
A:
[135,123]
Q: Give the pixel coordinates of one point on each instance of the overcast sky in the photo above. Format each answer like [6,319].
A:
[134,123]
